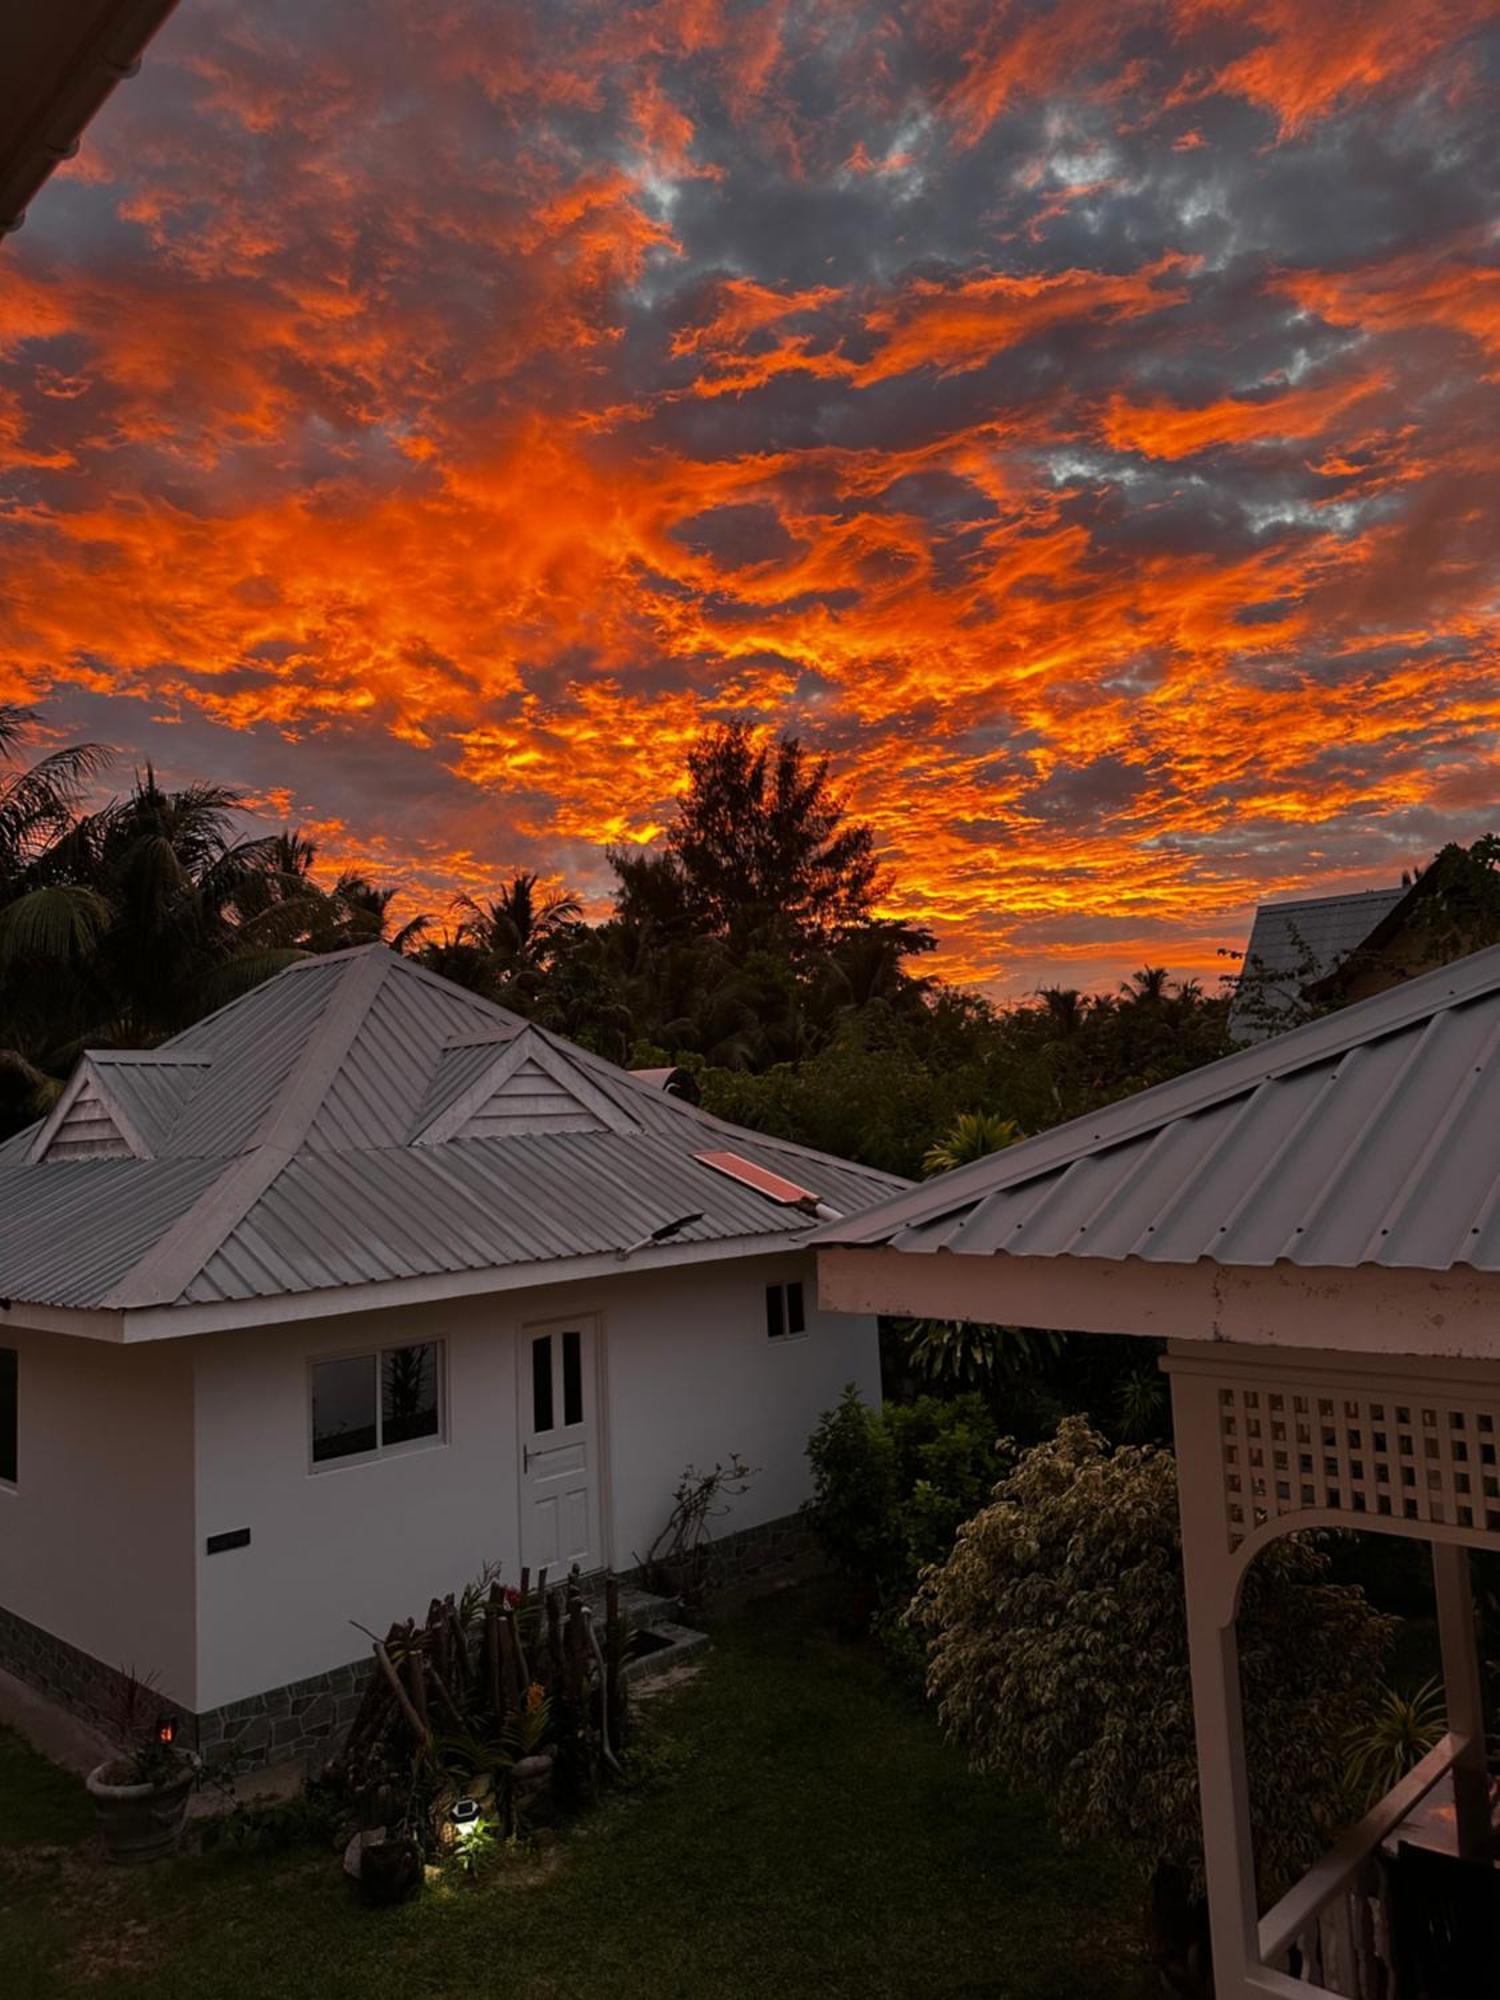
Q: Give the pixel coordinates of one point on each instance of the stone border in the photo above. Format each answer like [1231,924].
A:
[308,1717]
[775,1548]
[305,1718]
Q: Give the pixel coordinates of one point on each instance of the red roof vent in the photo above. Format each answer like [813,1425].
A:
[761,1179]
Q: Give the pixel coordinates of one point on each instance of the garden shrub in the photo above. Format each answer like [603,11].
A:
[892,1487]
[1057,1655]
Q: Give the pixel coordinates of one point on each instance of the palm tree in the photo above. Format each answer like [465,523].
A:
[974,1136]
[1065,1007]
[519,927]
[1148,985]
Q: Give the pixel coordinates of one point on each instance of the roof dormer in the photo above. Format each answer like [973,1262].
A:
[526,1086]
[118,1105]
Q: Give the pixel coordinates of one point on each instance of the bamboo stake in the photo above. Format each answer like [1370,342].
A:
[415,1722]
[492,1653]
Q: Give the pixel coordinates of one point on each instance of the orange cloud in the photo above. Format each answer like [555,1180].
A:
[961,326]
[1166,430]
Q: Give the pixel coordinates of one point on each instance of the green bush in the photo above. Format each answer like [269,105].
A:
[1057,1656]
[892,1487]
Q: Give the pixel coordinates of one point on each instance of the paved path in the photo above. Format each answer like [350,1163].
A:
[55,1731]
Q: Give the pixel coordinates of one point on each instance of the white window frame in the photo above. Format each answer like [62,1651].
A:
[375,1355]
[783,1286]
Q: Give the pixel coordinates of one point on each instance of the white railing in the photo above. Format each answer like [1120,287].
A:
[1334,1919]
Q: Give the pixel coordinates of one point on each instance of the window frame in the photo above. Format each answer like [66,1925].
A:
[376,1357]
[783,1288]
[10,1482]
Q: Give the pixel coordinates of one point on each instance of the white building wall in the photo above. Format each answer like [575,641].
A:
[688,1375]
[692,1378]
[96,1536]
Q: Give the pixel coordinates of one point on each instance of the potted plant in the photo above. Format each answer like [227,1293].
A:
[141,1794]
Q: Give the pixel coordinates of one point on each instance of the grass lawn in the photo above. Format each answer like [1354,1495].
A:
[810,1834]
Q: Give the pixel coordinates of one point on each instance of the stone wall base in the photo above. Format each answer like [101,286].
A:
[308,1718]
[751,1555]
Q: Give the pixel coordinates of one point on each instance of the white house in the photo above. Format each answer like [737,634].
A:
[357,1285]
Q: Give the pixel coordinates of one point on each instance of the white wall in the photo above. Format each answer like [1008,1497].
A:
[693,1378]
[96,1537]
[689,1376]
[370,1541]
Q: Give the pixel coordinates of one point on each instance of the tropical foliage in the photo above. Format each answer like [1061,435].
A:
[1057,1656]
[123,922]
[891,1488]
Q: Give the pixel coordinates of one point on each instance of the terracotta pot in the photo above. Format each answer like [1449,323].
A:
[141,1822]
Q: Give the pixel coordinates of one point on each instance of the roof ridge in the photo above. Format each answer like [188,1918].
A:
[1128,1118]
[1321,902]
[175,1259]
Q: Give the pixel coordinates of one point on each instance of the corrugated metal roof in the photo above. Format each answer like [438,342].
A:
[290,1163]
[71,1231]
[1369,1137]
[1292,944]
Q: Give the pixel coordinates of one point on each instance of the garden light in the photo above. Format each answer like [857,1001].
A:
[465,1815]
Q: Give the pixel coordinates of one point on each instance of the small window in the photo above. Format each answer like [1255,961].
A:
[363,1404]
[572,1378]
[8,1415]
[786,1314]
[541,1383]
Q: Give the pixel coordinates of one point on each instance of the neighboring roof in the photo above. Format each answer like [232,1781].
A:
[59,60]
[1293,944]
[1371,1136]
[358,1119]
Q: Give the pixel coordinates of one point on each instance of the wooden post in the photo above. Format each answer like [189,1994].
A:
[512,1662]
[554,1637]
[416,1678]
[492,1613]
[1463,1686]
[1223,1782]
[614,1664]
[415,1719]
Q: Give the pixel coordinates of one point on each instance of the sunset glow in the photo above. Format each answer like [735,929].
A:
[1081,420]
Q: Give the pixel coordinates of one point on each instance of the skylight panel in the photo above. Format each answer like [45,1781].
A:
[775,1187]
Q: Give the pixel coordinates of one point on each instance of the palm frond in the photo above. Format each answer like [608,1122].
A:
[54,924]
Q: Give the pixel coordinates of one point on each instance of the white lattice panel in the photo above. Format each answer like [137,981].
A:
[1298,1449]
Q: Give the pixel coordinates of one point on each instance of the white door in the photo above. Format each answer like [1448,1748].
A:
[558,1420]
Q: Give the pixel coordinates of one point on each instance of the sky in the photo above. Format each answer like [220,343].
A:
[1080,420]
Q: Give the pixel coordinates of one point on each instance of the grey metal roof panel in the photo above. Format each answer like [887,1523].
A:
[1369,1137]
[1292,944]
[357,1218]
[257,1041]
[152,1093]
[71,1231]
[293,1168]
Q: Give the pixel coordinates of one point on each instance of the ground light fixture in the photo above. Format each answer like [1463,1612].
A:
[465,1815]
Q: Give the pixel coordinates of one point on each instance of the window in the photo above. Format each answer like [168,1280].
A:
[786,1314]
[8,1415]
[368,1403]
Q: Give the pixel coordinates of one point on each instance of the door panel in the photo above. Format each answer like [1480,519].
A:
[558,1425]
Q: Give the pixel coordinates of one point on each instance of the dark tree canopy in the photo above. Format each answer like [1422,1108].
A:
[761,852]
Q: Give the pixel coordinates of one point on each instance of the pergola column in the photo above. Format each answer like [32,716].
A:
[1463,1688]
[1223,1781]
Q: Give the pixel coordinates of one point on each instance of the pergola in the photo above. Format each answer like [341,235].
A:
[1313,1225]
